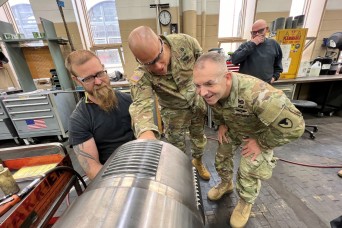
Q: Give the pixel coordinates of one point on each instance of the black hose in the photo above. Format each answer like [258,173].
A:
[68,169]
[298,163]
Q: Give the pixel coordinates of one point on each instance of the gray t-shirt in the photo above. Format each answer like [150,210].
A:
[109,130]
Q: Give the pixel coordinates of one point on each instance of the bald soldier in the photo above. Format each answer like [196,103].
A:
[165,69]
[252,114]
[260,57]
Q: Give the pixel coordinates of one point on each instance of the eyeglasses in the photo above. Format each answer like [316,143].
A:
[91,79]
[154,60]
[259,31]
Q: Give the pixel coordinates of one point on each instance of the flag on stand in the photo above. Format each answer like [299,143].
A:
[36,124]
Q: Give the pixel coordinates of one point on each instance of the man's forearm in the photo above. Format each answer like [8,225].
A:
[147,135]
[88,163]
[242,52]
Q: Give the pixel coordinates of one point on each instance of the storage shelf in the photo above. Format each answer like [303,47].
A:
[29,41]
[16,47]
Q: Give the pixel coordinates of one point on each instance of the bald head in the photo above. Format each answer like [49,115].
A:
[259,24]
[143,41]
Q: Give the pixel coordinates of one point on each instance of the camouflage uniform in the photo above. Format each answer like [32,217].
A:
[181,107]
[256,110]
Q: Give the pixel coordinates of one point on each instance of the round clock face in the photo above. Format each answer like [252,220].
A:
[164,17]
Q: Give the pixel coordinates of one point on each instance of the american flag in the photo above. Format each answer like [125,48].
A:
[36,124]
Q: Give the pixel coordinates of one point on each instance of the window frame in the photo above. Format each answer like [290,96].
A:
[235,39]
[11,18]
[87,35]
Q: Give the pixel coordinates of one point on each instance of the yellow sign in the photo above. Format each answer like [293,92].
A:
[292,42]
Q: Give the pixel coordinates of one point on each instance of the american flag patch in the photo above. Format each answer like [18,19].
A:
[36,124]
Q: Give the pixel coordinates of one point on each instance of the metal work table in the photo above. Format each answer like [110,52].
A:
[321,78]
[306,80]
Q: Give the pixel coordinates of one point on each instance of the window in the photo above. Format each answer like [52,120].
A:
[231,20]
[24,18]
[102,32]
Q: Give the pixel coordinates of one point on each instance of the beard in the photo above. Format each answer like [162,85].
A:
[105,96]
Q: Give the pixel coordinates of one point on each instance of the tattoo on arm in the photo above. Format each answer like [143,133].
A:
[80,152]
[82,158]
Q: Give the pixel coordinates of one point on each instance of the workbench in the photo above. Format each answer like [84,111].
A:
[319,89]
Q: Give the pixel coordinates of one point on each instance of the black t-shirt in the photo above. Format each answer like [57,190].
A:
[109,129]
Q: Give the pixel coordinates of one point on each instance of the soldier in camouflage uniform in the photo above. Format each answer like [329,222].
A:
[251,114]
[166,67]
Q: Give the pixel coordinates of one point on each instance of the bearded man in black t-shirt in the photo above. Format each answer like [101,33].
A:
[101,121]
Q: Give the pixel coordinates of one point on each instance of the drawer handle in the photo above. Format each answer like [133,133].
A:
[33,118]
[1,113]
[25,99]
[32,111]
[24,105]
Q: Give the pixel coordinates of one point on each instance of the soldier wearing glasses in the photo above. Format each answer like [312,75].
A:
[259,57]
[251,114]
[101,121]
[165,69]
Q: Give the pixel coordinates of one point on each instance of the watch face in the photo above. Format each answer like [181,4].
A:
[164,17]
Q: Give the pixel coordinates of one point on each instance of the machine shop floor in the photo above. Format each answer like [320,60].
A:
[295,196]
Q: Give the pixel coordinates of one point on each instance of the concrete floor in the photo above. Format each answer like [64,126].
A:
[296,196]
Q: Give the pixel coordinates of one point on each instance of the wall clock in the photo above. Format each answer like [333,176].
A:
[164,17]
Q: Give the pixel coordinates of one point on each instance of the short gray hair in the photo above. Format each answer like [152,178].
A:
[215,57]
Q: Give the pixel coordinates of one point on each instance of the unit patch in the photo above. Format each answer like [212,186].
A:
[285,123]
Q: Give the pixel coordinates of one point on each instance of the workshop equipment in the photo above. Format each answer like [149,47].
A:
[40,113]
[325,63]
[7,129]
[14,199]
[38,205]
[145,184]
[7,182]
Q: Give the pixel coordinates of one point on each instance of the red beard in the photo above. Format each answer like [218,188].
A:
[105,97]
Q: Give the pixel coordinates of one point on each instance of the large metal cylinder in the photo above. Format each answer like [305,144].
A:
[145,184]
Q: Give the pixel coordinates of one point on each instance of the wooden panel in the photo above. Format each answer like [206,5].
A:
[39,61]
[212,20]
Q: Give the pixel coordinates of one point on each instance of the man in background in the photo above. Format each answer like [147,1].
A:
[259,57]
[252,114]
[101,121]
[165,69]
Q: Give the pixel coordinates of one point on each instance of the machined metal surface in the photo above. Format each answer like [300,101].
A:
[145,183]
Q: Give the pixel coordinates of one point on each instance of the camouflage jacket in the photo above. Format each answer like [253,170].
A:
[174,90]
[257,110]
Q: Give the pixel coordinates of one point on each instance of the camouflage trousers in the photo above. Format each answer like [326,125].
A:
[177,122]
[250,173]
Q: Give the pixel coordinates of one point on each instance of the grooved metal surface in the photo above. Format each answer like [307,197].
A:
[139,159]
